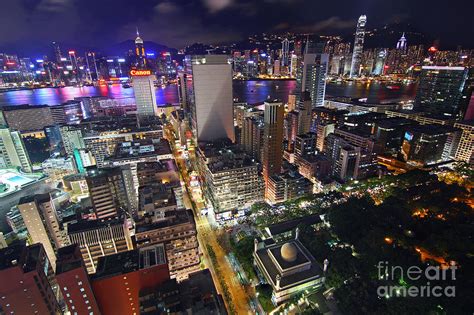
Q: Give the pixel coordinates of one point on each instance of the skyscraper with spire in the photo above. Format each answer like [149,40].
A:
[139,52]
[402,43]
[358,47]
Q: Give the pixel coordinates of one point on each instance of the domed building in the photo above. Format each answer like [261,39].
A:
[287,266]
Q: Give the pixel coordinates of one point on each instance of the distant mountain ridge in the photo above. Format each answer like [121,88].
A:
[123,47]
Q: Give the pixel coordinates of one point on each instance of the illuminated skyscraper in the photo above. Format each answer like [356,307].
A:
[57,52]
[358,46]
[440,90]
[144,91]
[272,139]
[402,43]
[285,52]
[139,52]
[380,62]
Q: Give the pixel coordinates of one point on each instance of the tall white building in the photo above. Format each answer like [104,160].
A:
[12,150]
[144,91]
[285,50]
[358,47]
[210,97]
[42,222]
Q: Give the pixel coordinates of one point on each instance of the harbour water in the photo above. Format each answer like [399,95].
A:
[245,91]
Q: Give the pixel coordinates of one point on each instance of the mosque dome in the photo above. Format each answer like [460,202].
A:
[289,252]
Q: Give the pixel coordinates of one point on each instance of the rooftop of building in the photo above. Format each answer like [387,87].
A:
[158,193]
[164,165]
[431,129]
[308,135]
[323,109]
[74,177]
[95,126]
[68,258]
[87,225]
[23,106]
[93,172]
[208,59]
[130,261]
[221,157]
[290,261]
[393,122]
[314,158]
[141,148]
[360,132]
[27,257]
[196,295]
[38,198]
[466,122]
[172,218]
[289,176]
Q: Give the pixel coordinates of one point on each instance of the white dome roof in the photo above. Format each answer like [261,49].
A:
[289,252]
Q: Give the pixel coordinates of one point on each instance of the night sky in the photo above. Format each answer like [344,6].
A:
[98,23]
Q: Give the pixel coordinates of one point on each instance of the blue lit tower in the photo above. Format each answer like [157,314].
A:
[358,46]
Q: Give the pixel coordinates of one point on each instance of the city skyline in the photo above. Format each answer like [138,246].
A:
[275,175]
[180,23]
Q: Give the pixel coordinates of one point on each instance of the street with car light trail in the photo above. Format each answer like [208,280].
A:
[207,236]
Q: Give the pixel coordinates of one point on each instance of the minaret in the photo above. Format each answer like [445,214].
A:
[358,47]
[140,51]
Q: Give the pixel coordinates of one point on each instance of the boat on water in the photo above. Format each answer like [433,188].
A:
[393,87]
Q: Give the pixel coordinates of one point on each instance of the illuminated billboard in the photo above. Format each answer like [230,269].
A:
[140,73]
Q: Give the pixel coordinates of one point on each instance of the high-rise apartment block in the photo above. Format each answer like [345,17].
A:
[231,177]
[97,239]
[13,151]
[28,284]
[42,222]
[112,192]
[121,277]
[74,282]
[252,136]
[177,231]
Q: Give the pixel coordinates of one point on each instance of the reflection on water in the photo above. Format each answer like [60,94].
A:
[244,91]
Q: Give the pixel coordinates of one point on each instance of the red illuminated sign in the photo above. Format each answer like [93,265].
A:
[140,73]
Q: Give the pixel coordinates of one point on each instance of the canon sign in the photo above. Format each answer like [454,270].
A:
[140,73]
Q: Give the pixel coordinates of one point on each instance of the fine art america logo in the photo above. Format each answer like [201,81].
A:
[423,280]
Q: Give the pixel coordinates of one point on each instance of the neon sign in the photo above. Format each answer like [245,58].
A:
[140,73]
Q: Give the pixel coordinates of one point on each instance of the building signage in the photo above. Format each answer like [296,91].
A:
[140,73]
